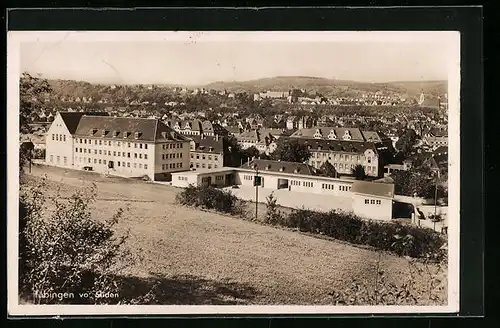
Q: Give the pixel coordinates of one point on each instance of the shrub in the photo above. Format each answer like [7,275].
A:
[273,215]
[401,239]
[210,198]
[407,292]
[68,251]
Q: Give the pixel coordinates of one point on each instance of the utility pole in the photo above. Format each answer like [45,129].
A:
[435,198]
[257,183]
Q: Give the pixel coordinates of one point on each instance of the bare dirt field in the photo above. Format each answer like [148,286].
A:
[207,258]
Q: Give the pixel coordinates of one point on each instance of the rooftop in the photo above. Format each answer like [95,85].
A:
[373,188]
[279,166]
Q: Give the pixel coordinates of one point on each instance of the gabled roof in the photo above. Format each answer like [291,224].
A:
[279,166]
[204,144]
[373,188]
[118,127]
[355,133]
[71,119]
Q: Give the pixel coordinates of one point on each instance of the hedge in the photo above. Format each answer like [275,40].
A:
[404,240]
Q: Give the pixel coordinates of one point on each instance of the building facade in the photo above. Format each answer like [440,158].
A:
[130,147]
[206,152]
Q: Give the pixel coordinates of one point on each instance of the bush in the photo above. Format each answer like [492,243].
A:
[401,239]
[273,215]
[210,198]
[66,252]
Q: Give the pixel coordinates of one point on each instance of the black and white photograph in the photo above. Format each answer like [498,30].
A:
[233,172]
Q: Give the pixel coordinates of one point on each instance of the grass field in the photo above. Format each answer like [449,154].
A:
[199,257]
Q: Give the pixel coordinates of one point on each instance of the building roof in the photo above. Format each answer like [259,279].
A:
[378,189]
[337,145]
[355,133]
[249,135]
[208,144]
[71,119]
[371,136]
[279,166]
[126,128]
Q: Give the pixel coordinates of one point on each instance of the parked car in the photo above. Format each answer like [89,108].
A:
[88,168]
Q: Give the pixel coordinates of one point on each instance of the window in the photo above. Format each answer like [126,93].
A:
[95,151]
[140,156]
[118,163]
[215,158]
[114,152]
[367,201]
[104,161]
[140,146]
[64,138]
[163,146]
[203,165]
[100,161]
[379,202]
[119,153]
[76,150]
[57,137]
[128,144]
[162,156]
[89,161]
[372,201]
[135,145]
[65,160]
[197,165]
[145,156]
[209,166]
[109,152]
[118,143]
[135,155]
[95,161]
[123,164]
[128,155]
[128,164]
[203,156]
[53,137]
[145,146]
[135,165]
[215,166]
[197,156]
[140,165]
[209,157]
[145,166]
[100,152]
[85,141]
[192,155]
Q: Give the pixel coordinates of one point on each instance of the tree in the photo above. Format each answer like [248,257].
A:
[406,142]
[30,91]
[291,150]
[411,182]
[273,215]
[251,152]
[359,172]
[234,156]
[328,170]
[66,251]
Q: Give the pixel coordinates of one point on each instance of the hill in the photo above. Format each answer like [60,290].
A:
[331,86]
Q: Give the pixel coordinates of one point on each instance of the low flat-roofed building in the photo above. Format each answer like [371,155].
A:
[373,200]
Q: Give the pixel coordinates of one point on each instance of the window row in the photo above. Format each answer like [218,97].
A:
[104,162]
[101,142]
[332,187]
[373,201]
[58,137]
[198,156]
[165,167]
[58,159]
[108,153]
[171,146]
[203,166]
[182,178]
[304,183]
[248,177]
[171,155]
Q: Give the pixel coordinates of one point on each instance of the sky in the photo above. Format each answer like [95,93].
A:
[198,63]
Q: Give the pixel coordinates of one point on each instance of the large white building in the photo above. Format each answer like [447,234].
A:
[371,200]
[130,147]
